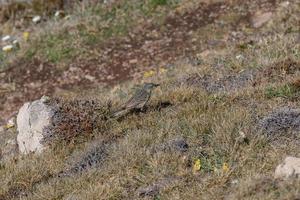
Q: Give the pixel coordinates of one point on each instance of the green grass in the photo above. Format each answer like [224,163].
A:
[158,2]
[56,48]
[2,56]
[285,91]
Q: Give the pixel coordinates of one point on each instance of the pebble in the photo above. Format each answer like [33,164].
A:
[57,13]
[285,4]
[89,77]
[5,38]
[36,19]
[239,57]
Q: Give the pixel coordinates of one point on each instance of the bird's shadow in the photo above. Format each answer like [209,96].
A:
[160,105]
[157,107]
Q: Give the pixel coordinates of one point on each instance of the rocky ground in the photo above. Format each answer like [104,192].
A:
[226,113]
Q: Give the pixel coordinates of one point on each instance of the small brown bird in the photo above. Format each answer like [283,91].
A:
[137,101]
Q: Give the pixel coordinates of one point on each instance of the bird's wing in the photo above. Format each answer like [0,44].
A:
[136,99]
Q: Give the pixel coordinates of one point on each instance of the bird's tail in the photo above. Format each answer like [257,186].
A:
[119,113]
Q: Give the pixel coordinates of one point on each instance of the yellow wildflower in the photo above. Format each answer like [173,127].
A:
[225,167]
[26,36]
[162,70]
[197,165]
[149,74]
[8,126]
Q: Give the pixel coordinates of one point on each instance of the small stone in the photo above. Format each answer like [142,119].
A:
[56,14]
[67,17]
[288,169]
[242,137]
[36,19]
[235,182]
[5,38]
[59,13]
[89,77]
[204,54]
[242,134]
[239,57]
[109,77]
[260,19]
[133,61]
[15,42]
[45,99]
[285,4]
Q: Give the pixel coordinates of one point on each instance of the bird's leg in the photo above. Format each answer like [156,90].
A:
[143,108]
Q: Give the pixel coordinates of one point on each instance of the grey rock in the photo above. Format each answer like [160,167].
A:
[259,19]
[33,118]
[288,169]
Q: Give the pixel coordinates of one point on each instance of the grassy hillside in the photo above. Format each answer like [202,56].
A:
[204,134]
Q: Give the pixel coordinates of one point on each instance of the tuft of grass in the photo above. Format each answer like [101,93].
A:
[158,2]
[2,57]
[285,91]
[53,48]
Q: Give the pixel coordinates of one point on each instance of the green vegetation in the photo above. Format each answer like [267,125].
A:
[159,2]
[286,91]
[94,26]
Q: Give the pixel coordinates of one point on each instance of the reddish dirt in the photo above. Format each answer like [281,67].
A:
[146,46]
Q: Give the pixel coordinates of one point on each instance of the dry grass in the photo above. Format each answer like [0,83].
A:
[210,122]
